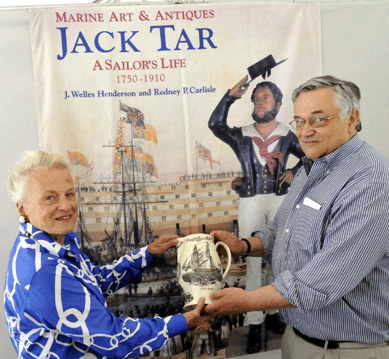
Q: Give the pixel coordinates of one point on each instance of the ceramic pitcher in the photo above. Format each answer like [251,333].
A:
[199,268]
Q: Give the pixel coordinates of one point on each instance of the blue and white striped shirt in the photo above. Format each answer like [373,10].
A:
[55,305]
[329,246]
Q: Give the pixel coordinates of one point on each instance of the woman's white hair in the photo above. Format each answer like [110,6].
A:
[31,160]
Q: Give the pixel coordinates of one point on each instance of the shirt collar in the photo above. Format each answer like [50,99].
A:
[307,163]
[53,247]
[336,156]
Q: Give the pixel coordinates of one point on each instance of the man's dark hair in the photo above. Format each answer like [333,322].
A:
[277,94]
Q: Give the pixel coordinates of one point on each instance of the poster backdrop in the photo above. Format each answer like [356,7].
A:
[126,92]
[171,62]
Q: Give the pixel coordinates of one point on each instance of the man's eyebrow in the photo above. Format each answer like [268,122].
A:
[317,112]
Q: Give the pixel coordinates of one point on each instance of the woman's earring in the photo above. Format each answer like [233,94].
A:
[22,219]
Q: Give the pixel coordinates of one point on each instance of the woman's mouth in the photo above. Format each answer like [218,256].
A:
[64,218]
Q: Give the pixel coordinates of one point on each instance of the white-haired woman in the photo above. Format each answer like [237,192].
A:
[54,295]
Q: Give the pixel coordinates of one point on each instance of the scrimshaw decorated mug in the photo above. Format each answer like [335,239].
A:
[199,268]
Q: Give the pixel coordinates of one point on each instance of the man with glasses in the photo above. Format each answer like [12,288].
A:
[328,243]
[263,149]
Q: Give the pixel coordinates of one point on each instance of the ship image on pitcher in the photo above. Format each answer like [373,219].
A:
[199,268]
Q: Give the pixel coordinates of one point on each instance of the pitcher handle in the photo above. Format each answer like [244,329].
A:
[228,257]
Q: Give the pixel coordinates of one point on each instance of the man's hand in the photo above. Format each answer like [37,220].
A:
[237,247]
[234,301]
[237,90]
[287,177]
[197,316]
[229,301]
[162,244]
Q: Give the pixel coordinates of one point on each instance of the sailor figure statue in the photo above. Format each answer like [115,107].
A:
[199,268]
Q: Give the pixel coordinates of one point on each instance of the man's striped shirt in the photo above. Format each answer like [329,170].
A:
[329,246]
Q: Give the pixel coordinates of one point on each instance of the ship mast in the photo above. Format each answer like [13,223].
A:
[133,189]
[129,180]
[132,177]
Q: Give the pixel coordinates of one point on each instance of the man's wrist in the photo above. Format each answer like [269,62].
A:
[248,250]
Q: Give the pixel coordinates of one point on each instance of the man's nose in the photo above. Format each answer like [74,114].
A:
[307,130]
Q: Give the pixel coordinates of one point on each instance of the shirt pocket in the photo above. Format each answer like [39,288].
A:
[308,230]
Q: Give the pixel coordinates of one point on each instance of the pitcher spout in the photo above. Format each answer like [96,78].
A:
[181,241]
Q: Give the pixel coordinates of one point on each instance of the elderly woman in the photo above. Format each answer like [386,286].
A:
[54,295]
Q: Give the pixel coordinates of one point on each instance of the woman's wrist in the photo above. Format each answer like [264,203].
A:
[152,255]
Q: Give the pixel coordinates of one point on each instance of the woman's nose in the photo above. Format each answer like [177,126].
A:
[64,204]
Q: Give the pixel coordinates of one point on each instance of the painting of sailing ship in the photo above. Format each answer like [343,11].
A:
[127,207]
[200,268]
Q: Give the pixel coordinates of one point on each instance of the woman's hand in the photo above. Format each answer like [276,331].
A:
[197,317]
[162,244]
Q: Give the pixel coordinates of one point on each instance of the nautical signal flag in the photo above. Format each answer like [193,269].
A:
[150,169]
[77,158]
[149,133]
[134,116]
[205,154]
[200,150]
[139,133]
[141,130]
[148,165]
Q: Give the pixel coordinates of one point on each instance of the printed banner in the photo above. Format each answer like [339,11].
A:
[126,92]
[165,67]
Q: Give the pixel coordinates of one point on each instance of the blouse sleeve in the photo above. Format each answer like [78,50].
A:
[61,301]
[127,269]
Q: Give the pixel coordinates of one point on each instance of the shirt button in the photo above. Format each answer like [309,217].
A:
[286,230]
[298,206]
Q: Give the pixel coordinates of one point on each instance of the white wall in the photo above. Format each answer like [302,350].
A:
[18,131]
[355,47]
[354,41]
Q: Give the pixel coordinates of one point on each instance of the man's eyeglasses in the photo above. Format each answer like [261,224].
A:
[315,121]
